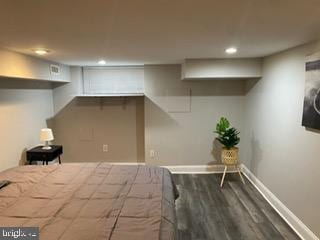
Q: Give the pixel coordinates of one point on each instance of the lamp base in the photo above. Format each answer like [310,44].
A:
[46,146]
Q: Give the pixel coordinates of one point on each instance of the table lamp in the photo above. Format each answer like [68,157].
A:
[46,135]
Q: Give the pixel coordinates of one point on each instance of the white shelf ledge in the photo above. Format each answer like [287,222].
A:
[112,95]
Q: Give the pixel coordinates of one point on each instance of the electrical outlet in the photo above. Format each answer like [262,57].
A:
[152,153]
[105,148]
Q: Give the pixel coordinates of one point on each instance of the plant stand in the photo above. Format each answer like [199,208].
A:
[225,171]
[229,158]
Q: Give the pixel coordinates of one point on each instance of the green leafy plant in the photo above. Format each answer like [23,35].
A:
[227,136]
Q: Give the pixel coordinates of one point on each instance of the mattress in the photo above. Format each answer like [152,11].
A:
[90,201]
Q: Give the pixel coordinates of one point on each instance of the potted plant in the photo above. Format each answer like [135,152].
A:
[229,137]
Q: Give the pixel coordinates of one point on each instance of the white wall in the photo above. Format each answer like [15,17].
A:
[186,138]
[278,150]
[22,114]
[25,103]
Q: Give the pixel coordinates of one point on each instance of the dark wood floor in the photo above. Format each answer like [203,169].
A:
[237,211]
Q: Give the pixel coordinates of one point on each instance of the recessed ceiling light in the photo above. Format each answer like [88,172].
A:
[41,51]
[102,62]
[231,50]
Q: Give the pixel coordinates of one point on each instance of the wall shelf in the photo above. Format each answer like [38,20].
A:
[112,95]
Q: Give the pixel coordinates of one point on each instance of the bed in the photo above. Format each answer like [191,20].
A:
[90,201]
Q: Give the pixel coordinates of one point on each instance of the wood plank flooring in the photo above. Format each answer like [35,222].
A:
[237,211]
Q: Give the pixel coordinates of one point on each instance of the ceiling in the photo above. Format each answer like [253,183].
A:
[155,31]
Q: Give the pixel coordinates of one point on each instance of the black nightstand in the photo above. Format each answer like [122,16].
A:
[39,154]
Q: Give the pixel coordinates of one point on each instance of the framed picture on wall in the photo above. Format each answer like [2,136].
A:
[311,108]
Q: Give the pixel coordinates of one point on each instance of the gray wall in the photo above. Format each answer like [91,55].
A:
[85,124]
[278,150]
[23,112]
[132,129]
[180,129]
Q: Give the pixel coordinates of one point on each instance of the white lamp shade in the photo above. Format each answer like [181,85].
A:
[46,135]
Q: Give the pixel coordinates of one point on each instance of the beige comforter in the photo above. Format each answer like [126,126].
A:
[90,201]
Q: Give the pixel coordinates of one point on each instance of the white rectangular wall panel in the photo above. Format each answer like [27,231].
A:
[113,80]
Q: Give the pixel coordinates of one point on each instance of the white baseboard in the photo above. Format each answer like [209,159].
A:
[198,169]
[186,169]
[292,220]
[128,163]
